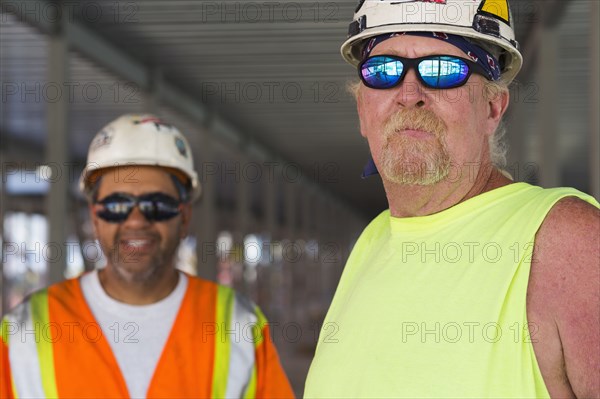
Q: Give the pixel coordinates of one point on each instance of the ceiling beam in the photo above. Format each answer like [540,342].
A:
[87,42]
[45,15]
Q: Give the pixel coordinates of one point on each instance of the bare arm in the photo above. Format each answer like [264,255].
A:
[567,259]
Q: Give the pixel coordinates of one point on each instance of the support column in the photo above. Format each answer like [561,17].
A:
[290,209]
[291,261]
[242,219]
[243,200]
[312,254]
[57,156]
[268,283]
[547,135]
[300,268]
[205,212]
[518,150]
[594,98]
[271,173]
[310,304]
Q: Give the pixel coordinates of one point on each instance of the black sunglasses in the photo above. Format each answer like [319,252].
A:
[433,71]
[156,207]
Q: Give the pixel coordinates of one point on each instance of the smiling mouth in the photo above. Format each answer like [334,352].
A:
[137,245]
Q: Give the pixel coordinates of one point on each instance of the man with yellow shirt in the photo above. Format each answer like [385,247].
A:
[138,327]
[470,285]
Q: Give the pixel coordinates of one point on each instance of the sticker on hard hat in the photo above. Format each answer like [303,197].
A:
[416,1]
[496,8]
[104,137]
[181,147]
[157,122]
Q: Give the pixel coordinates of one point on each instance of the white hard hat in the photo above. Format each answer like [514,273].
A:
[140,140]
[486,21]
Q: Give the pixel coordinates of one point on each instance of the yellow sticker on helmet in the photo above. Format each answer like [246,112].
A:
[499,8]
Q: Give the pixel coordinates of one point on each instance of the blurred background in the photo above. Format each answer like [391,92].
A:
[259,90]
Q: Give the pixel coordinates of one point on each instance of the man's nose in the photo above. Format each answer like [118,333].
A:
[136,219]
[410,93]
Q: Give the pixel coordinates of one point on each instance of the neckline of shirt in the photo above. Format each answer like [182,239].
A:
[101,298]
[454,213]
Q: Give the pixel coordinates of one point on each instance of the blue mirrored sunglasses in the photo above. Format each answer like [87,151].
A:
[433,71]
[156,207]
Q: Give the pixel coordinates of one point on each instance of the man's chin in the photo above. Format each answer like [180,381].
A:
[415,171]
[136,272]
[407,162]
[410,179]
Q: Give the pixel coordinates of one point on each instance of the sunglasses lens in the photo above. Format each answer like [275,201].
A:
[381,72]
[444,72]
[115,208]
[158,207]
[155,207]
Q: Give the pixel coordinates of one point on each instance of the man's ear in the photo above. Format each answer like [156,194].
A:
[93,217]
[497,105]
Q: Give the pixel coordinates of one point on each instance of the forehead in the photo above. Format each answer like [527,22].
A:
[136,180]
[415,46]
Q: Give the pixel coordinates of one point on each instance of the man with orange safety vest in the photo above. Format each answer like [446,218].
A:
[139,327]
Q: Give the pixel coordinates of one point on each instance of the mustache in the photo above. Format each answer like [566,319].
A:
[415,119]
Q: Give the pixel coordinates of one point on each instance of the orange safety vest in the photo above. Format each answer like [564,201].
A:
[53,347]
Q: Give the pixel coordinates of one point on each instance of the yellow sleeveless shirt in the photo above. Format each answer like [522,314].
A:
[435,306]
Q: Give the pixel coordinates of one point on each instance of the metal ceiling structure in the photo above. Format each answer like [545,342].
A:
[270,71]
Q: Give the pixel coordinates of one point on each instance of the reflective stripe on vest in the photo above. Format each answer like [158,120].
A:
[222,347]
[40,317]
[30,350]
[234,347]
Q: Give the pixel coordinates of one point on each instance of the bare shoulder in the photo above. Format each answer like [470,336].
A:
[568,242]
[565,289]
[571,213]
